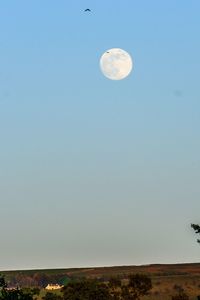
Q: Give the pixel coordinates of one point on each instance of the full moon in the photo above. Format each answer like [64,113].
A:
[116,64]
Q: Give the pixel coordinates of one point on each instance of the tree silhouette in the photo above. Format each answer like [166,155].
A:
[139,285]
[115,286]
[3,284]
[196,228]
[13,294]
[86,290]
[180,296]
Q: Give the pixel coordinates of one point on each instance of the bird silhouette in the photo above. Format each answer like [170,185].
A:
[87,9]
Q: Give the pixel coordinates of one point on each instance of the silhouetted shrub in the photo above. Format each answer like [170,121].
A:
[86,290]
[180,296]
[51,296]
[139,285]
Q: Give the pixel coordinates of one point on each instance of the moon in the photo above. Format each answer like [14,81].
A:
[116,64]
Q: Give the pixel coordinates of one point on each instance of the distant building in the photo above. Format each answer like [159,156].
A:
[53,286]
[12,288]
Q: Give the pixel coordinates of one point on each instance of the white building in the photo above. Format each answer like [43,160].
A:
[53,286]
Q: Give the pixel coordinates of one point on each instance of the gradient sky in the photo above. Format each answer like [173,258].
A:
[95,172]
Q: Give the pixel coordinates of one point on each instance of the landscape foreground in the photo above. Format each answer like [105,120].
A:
[168,280]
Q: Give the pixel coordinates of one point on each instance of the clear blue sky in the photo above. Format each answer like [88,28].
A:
[96,172]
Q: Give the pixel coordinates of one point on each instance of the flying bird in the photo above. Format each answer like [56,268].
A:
[87,9]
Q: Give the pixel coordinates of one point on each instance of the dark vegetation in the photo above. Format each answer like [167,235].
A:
[137,286]
[17,293]
[196,228]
